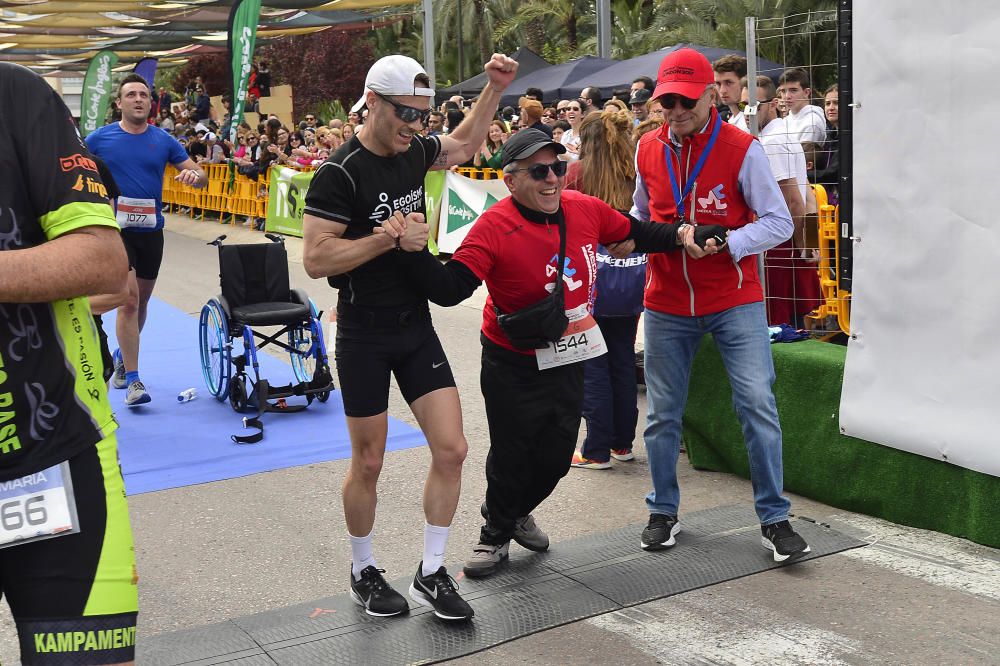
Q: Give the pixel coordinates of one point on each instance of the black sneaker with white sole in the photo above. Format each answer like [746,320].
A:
[375,595]
[440,592]
[783,542]
[660,532]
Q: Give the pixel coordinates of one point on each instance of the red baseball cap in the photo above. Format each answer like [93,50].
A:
[684,72]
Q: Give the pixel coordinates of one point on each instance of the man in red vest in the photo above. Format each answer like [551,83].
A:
[701,170]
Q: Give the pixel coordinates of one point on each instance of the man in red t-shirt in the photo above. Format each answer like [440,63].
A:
[534,393]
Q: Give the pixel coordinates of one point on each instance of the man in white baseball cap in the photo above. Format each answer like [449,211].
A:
[394,75]
[365,203]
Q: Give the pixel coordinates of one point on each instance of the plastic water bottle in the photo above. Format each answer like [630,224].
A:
[187,395]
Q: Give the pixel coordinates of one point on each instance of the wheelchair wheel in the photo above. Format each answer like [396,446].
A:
[301,339]
[326,377]
[238,393]
[215,347]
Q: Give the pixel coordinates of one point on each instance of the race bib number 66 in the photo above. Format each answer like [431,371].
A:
[37,506]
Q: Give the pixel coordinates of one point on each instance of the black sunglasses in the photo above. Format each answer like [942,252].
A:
[407,113]
[540,171]
[743,105]
[670,99]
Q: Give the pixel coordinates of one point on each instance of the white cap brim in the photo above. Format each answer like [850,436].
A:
[360,104]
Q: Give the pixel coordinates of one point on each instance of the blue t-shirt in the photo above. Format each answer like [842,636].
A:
[137,161]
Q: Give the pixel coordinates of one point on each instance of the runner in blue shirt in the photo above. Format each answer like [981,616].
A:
[137,153]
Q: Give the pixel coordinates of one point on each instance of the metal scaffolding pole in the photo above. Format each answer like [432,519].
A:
[429,41]
[604,28]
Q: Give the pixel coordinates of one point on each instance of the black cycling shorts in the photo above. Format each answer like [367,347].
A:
[372,343]
[74,598]
[145,252]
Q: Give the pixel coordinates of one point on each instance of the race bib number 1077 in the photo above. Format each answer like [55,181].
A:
[136,213]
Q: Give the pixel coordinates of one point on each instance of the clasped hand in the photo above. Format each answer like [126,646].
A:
[409,230]
[703,240]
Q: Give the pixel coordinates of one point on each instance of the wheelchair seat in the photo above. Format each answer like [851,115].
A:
[255,283]
[270,314]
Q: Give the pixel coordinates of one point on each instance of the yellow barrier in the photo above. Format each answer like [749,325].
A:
[247,197]
[836,303]
[480,174]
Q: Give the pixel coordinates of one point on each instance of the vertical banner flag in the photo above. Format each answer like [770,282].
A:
[243,18]
[96,92]
[146,68]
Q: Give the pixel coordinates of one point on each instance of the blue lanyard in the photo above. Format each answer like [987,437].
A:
[679,197]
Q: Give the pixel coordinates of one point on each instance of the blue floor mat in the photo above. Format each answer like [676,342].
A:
[168,444]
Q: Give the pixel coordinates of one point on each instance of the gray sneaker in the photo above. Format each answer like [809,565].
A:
[528,535]
[485,560]
[136,395]
[526,532]
[118,378]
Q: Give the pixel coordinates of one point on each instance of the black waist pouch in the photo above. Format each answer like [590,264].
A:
[535,326]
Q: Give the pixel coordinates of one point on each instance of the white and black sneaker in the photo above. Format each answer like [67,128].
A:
[660,532]
[375,595]
[118,377]
[783,542]
[440,592]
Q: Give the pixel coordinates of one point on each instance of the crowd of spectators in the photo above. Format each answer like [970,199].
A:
[807,129]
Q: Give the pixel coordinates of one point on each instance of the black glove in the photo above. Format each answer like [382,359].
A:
[704,232]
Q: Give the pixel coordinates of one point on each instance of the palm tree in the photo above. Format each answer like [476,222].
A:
[797,33]
[558,22]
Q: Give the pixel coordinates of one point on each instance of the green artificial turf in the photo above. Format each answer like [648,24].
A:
[827,466]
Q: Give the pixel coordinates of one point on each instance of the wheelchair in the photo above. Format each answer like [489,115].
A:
[255,292]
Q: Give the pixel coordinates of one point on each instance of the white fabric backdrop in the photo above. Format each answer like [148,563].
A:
[923,374]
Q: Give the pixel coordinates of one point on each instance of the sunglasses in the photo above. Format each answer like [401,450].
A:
[540,171]
[670,99]
[407,114]
[743,105]
[573,108]
[310,118]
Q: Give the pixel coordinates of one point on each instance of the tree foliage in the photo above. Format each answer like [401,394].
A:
[214,71]
[794,32]
[321,67]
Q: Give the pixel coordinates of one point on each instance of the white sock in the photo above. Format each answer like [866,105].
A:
[361,554]
[435,539]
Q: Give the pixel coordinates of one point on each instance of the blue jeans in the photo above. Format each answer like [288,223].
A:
[610,392]
[741,336]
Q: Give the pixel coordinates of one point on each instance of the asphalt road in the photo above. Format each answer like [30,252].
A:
[221,550]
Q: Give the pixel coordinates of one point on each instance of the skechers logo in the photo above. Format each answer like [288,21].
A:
[77,161]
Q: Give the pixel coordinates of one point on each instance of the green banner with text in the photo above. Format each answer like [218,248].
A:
[96,92]
[243,19]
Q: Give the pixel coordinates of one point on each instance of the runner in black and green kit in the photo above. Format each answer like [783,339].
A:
[67,563]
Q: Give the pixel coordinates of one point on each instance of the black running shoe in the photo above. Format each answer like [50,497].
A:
[440,592]
[660,532]
[376,595]
[782,540]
